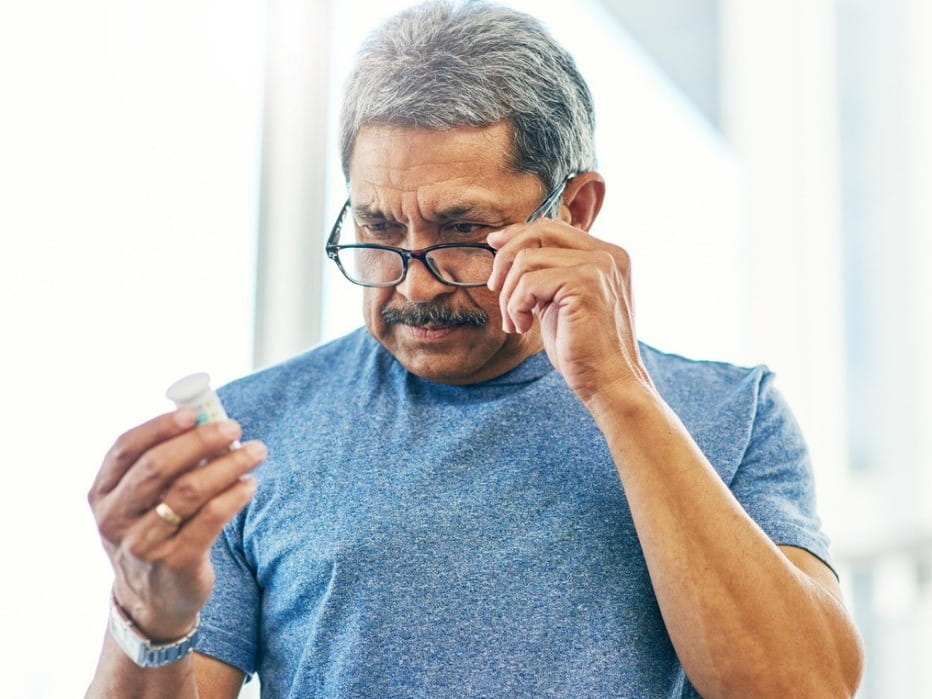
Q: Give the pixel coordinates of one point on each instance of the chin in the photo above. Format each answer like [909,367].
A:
[445,365]
[450,369]
[463,355]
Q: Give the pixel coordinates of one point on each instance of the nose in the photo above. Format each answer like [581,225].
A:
[420,286]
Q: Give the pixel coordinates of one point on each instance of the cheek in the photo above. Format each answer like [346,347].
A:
[488,301]
[373,301]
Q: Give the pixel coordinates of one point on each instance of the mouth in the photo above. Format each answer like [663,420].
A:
[431,332]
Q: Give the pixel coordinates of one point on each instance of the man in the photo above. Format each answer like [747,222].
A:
[493,489]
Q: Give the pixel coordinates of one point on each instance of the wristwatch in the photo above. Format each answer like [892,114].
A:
[140,649]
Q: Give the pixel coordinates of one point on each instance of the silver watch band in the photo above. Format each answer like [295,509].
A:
[140,649]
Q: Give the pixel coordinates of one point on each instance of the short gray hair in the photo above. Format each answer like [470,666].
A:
[444,64]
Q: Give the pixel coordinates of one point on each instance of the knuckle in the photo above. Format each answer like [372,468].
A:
[206,435]
[177,563]
[604,264]
[150,467]
[215,513]
[210,437]
[108,525]
[120,450]
[106,529]
[135,547]
[517,292]
[187,489]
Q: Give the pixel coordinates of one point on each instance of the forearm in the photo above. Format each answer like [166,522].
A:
[118,676]
[743,619]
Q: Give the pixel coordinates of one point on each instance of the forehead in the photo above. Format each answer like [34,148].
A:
[408,158]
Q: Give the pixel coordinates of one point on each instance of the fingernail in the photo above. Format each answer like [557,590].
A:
[229,429]
[185,417]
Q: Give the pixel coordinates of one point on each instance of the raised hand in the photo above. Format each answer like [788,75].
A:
[579,288]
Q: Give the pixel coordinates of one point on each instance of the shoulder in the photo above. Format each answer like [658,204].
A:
[718,402]
[304,375]
[703,383]
[682,375]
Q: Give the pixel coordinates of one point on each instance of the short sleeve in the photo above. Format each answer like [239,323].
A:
[230,619]
[774,481]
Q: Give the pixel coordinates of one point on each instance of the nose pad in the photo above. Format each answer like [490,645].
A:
[420,285]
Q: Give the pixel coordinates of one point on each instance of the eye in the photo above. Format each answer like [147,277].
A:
[381,229]
[465,228]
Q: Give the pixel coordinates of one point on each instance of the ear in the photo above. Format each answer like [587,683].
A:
[582,200]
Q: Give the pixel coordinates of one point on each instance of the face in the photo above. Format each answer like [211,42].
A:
[411,188]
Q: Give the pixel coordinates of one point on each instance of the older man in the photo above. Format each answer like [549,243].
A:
[493,489]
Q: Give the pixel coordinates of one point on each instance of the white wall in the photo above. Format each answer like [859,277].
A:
[129,137]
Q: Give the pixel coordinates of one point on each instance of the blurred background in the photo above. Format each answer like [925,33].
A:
[168,171]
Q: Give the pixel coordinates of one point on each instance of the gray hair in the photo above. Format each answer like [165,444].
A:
[445,64]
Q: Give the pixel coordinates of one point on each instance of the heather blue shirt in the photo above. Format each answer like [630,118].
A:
[414,539]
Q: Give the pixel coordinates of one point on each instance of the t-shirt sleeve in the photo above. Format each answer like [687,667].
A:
[774,481]
[230,619]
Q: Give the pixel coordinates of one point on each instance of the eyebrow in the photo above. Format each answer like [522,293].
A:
[367,211]
[451,213]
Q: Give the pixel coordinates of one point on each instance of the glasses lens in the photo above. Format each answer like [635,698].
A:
[371,265]
[462,265]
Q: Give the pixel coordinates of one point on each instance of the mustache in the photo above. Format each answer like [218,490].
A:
[433,314]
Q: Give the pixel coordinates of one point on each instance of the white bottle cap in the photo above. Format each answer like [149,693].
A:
[189,388]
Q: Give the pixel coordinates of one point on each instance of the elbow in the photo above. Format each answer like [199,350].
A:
[835,675]
[852,664]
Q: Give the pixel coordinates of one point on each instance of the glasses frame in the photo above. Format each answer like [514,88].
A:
[333,246]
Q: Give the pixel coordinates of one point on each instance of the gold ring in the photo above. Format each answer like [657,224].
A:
[168,514]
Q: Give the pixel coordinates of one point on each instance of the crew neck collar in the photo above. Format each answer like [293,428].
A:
[530,369]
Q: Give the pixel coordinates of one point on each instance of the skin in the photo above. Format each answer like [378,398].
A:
[411,178]
[747,617]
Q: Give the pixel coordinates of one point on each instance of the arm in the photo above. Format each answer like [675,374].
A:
[746,618]
[196,675]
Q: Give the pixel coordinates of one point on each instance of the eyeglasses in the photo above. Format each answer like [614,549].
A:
[456,264]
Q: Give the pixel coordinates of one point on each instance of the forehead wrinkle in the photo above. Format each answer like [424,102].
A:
[427,204]
[414,176]
[466,202]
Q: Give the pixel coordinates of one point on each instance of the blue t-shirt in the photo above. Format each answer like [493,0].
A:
[415,539]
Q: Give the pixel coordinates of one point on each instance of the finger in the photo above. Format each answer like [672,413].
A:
[565,287]
[199,533]
[541,234]
[156,468]
[534,290]
[532,259]
[503,255]
[191,491]
[132,444]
